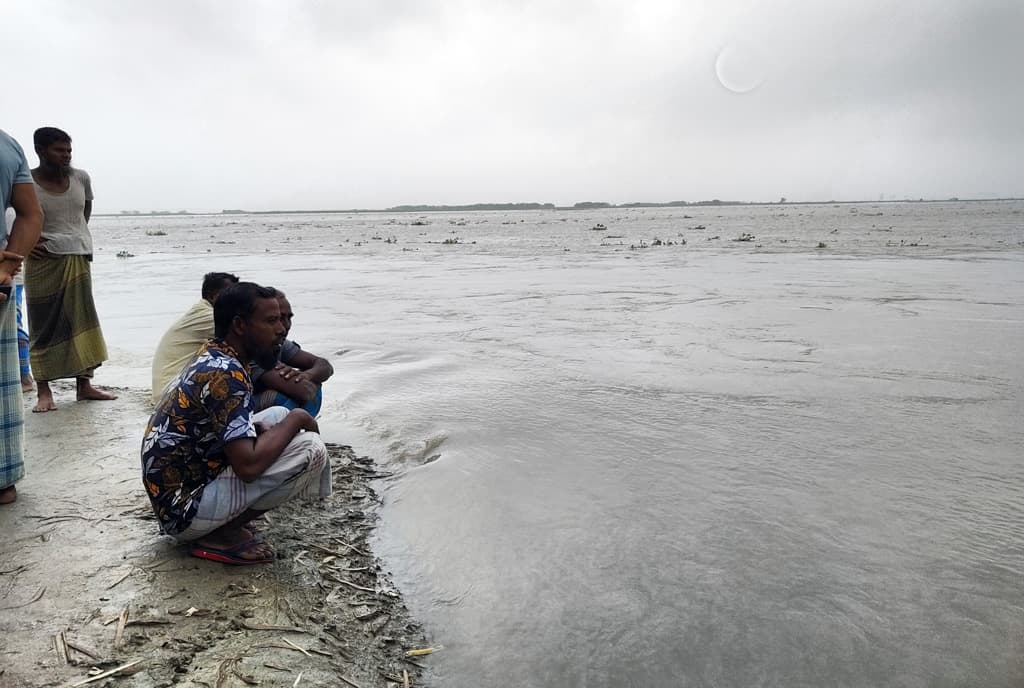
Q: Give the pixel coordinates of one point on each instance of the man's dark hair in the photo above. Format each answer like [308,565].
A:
[277,293]
[214,282]
[44,137]
[237,301]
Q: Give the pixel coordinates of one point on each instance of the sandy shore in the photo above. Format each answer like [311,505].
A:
[86,581]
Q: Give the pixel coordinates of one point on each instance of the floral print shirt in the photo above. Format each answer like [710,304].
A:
[209,407]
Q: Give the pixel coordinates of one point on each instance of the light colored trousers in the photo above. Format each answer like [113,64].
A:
[303,471]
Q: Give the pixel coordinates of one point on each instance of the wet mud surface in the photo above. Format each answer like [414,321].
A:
[87,585]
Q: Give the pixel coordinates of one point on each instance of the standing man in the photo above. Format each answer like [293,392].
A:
[65,335]
[209,463]
[183,339]
[16,191]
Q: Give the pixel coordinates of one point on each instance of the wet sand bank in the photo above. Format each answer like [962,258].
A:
[85,575]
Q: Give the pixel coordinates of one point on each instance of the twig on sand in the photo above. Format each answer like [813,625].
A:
[84,650]
[350,584]
[250,626]
[351,548]
[349,681]
[302,650]
[122,621]
[149,622]
[119,580]
[106,674]
[297,679]
[419,652]
[60,644]
[405,678]
[58,518]
[38,596]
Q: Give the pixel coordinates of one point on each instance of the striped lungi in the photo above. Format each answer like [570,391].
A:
[12,465]
[19,293]
[65,339]
[303,471]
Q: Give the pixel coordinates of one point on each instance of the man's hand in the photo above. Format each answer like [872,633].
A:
[305,388]
[10,265]
[306,421]
[250,457]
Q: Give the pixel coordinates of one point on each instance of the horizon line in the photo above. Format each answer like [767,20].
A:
[497,206]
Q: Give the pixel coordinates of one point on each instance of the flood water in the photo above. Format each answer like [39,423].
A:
[793,460]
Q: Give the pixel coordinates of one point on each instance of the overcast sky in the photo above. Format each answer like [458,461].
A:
[371,103]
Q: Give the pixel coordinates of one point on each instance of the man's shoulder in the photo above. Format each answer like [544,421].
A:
[198,313]
[215,355]
[12,157]
[85,180]
[288,349]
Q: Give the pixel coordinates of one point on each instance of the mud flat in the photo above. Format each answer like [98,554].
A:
[88,586]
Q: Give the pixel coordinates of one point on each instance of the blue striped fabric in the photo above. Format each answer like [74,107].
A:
[270,397]
[12,464]
[19,291]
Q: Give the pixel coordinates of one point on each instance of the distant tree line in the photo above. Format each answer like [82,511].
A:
[472,206]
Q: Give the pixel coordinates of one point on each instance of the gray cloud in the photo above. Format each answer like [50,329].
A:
[323,104]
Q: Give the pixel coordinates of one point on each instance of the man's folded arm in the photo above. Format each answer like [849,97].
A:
[251,457]
[317,369]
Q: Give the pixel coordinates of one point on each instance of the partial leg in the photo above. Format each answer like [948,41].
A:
[45,401]
[237,539]
[86,392]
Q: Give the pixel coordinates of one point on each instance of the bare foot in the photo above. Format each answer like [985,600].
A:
[8,495]
[86,392]
[27,383]
[45,402]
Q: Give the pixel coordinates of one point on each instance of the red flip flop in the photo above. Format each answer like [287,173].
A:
[231,555]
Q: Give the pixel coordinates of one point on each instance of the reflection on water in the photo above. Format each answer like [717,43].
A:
[724,463]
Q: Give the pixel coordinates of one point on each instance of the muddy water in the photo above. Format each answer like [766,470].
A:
[719,463]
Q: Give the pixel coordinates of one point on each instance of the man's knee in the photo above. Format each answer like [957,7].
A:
[270,416]
[312,445]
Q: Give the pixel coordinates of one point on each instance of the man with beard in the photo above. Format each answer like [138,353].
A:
[210,464]
[297,379]
[66,340]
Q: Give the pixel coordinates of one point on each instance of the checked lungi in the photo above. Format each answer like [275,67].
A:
[12,465]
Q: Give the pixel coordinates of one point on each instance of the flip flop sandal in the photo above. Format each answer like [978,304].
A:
[231,555]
